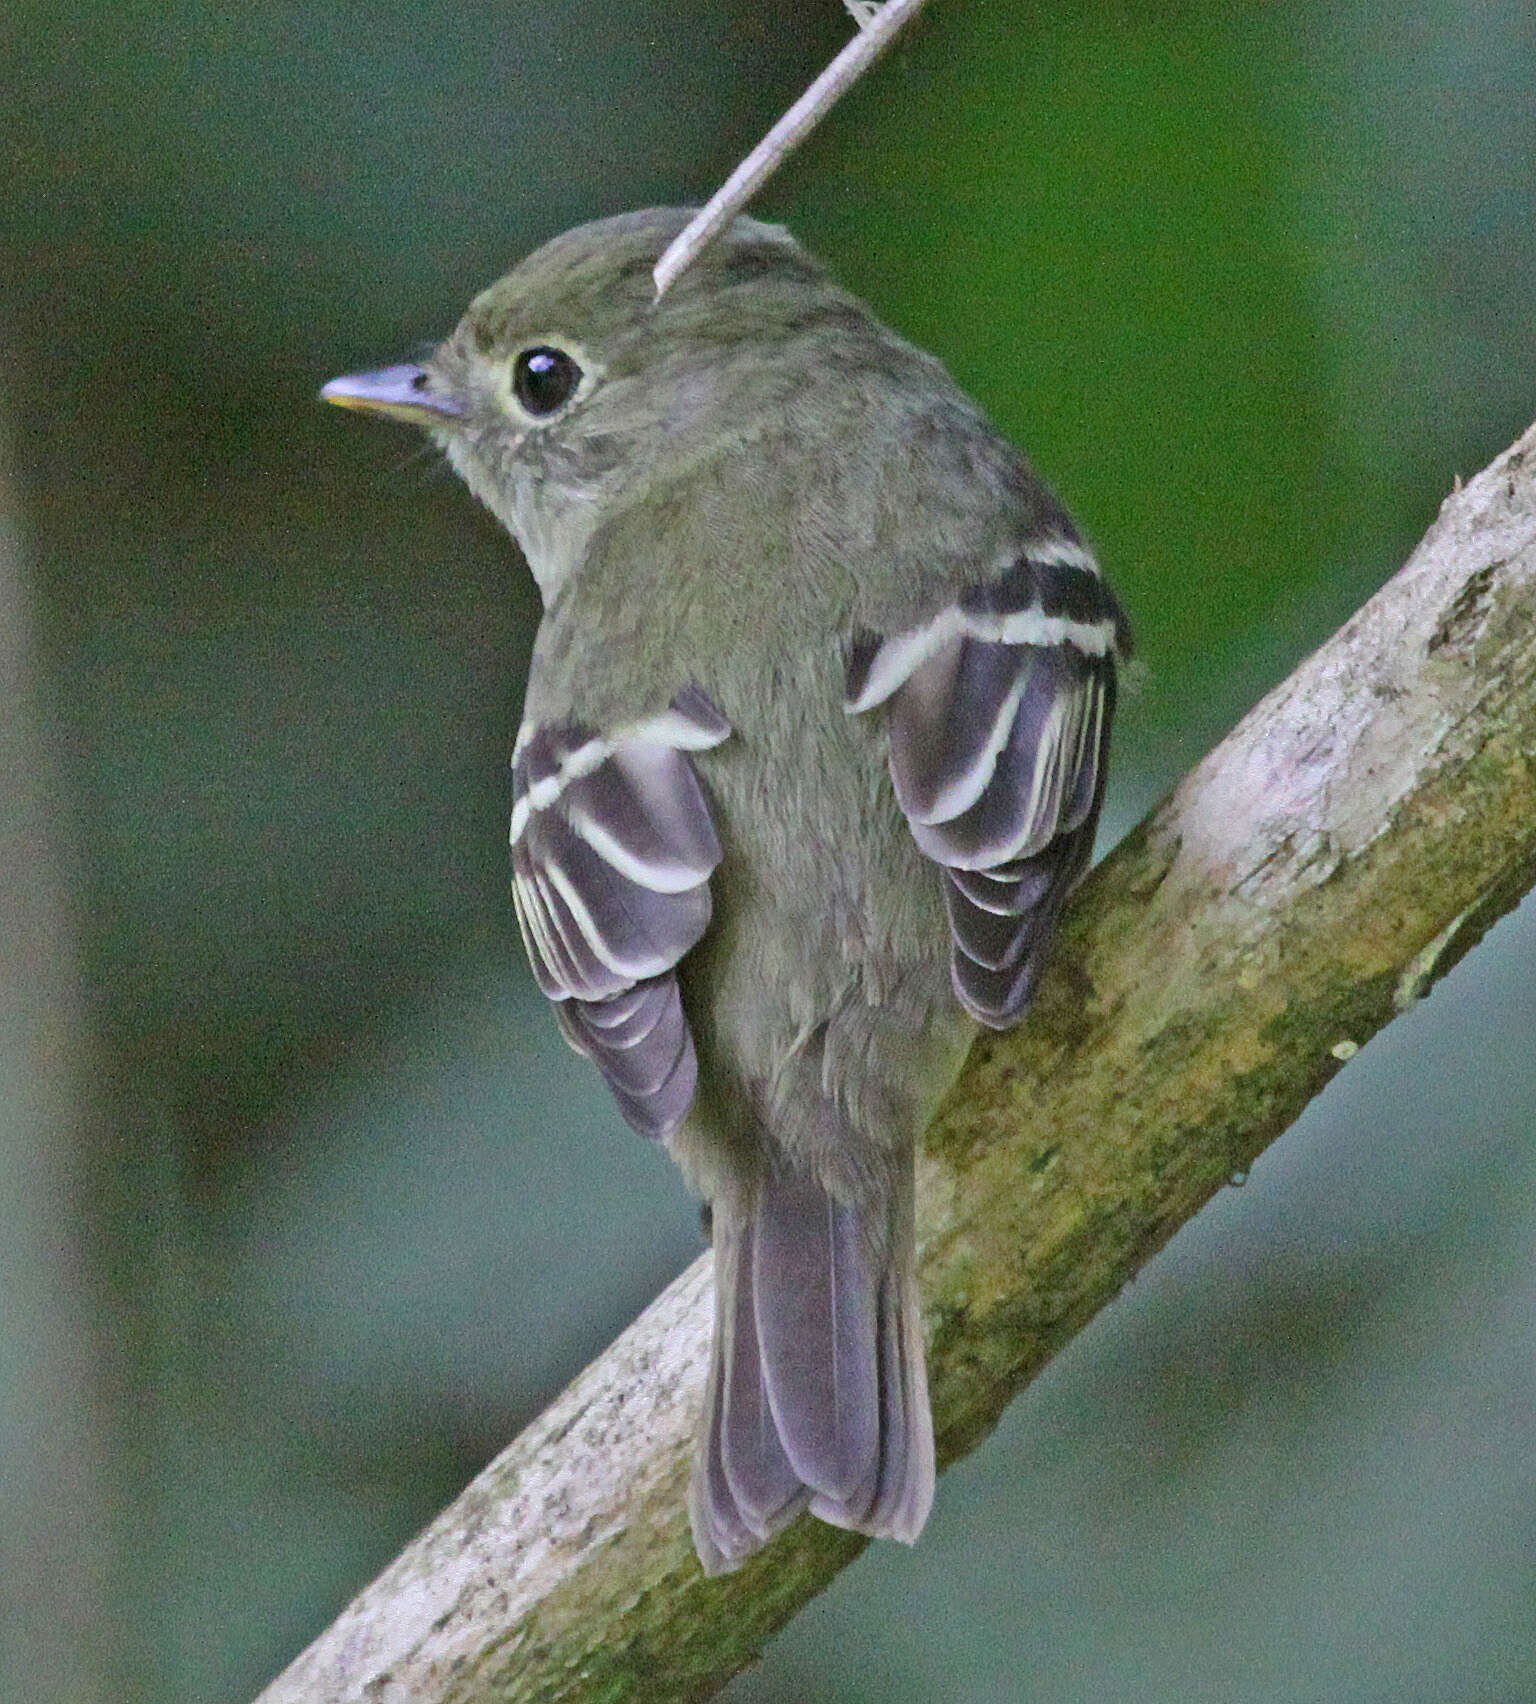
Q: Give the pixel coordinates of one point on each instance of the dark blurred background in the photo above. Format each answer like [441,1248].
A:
[305,1208]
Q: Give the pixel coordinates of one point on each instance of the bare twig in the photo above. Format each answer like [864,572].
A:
[877,30]
[1332,858]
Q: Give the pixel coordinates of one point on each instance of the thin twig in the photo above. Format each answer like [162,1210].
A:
[875,35]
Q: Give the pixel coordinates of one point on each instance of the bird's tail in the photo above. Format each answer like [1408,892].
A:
[818,1393]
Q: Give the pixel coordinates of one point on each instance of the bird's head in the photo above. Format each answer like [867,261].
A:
[568,387]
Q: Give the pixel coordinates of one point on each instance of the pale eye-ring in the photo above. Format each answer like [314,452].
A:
[544,379]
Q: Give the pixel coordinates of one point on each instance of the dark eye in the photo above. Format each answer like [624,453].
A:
[544,379]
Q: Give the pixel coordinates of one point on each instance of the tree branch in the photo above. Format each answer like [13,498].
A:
[1310,879]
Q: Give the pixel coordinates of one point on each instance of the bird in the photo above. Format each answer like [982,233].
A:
[813,751]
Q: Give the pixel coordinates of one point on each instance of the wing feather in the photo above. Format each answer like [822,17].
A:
[612,850]
[998,712]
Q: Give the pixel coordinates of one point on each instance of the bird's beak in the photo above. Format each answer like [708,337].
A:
[403,393]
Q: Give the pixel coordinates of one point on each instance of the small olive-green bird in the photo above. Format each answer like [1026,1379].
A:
[813,752]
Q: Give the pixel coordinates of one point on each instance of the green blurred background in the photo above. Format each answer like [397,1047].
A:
[305,1208]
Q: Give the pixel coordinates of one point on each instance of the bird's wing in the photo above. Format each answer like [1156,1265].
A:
[998,710]
[612,851]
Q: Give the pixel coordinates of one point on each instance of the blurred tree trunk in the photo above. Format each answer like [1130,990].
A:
[54,1507]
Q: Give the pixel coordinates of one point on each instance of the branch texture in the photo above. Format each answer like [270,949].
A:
[1312,878]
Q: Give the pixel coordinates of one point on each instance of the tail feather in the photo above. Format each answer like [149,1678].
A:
[766,1489]
[817,1338]
[905,1493]
[744,1489]
[818,1395]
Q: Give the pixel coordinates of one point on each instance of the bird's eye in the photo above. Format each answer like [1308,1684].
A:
[544,379]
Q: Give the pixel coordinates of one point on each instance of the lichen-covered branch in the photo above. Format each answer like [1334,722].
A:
[1311,878]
